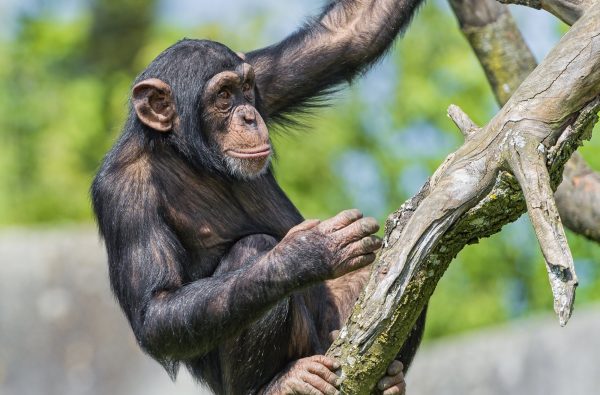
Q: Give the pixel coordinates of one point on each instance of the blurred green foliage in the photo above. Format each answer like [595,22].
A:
[64,96]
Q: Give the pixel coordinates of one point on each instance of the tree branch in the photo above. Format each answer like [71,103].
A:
[472,195]
[578,199]
[567,10]
[507,61]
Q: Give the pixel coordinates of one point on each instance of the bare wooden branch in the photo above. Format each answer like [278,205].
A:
[466,200]
[529,167]
[486,35]
[473,13]
[507,61]
[578,198]
[567,10]
[462,121]
[498,44]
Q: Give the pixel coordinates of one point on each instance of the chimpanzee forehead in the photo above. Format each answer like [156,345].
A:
[192,59]
[217,59]
[242,71]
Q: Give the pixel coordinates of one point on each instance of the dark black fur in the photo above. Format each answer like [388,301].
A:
[191,249]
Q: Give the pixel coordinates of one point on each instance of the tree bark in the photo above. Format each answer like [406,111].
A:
[578,198]
[473,194]
[567,10]
[507,61]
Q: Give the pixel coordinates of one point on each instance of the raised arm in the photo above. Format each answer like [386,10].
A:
[348,37]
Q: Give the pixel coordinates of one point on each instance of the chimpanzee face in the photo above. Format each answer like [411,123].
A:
[234,124]
[221,94]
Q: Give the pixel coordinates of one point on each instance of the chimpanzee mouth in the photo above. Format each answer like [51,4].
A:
[253,153]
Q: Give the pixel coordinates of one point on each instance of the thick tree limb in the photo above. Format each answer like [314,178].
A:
[507,61]
[471,196]
[567,10]
[578,198]
[497,42]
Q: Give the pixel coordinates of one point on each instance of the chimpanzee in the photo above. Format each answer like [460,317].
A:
[210,261]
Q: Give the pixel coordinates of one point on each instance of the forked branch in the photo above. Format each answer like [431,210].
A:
[507,61]
[473,195]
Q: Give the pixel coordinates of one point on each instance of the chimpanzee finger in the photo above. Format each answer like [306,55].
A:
[305,225]
[328,362]
[299,386]
[399,389]
[364,246]
[322,386]
[354,264]
[395,389]
[340,221]
[395,368]
[361,228]
[324,373]
[391,381]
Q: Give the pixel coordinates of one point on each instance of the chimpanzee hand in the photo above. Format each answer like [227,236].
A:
[315,376]
[307,376]
[334,247]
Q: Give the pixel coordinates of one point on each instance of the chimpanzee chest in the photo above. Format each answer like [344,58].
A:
[209,216]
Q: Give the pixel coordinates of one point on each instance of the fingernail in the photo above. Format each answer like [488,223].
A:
[337,365]
[339,382]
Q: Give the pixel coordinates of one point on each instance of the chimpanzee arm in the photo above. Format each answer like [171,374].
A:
[176,320]
[344,41]
[173,320]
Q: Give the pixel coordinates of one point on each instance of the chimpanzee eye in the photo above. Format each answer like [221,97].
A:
[224,101]
[246,87]
[224,94]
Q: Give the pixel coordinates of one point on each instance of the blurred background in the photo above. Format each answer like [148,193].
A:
[65,72]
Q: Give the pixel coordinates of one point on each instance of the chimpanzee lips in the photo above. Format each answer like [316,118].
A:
[252,153]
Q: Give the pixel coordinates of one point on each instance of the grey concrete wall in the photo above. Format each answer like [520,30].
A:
[61,333]
[530,357]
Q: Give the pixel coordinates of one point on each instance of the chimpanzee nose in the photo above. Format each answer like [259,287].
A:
[249,116]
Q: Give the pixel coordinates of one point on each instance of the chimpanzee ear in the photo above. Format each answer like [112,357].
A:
[153,103]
